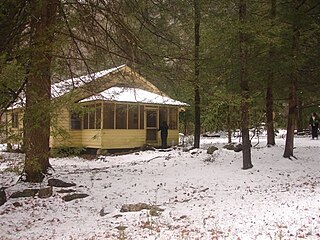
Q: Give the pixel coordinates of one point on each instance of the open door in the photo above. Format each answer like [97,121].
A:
[152,126]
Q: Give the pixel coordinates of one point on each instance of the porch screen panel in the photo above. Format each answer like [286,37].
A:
[86,120]
[173,118]
[151,118]
[15,120]
[133,111]
[162,115]
[121,116]
[98,116]
[92,117]
[141,117]
[91,120]
[151,135]
[108,116]
[151,124]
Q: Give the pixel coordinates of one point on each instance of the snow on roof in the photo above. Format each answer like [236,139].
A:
[135,95]
[60,88]
[119,94]
[19,103]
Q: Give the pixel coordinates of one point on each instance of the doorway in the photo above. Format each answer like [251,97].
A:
[152,126]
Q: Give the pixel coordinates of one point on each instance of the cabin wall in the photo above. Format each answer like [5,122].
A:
[91,138]
[61,135]
[173,137]
[123,138]
[14,127]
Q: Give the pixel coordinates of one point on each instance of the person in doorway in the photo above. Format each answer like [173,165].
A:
[314,124]
[163,128]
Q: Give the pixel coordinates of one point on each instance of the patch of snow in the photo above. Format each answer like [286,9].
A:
[60,88]
[135,95]
[278,198]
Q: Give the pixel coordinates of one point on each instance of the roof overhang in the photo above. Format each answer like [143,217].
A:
[133,95]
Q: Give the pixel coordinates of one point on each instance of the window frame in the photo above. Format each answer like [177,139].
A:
[118,124]
[173,123]
[73,119]
[14,120]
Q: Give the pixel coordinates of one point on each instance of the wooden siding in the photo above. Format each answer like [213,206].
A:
[113,138]
[123,138]
[60,133]
[91,138]
[173,137]
[14,134]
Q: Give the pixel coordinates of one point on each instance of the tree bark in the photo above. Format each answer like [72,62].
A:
[38,89]
[300,125]
[293,102]
[244,86]
[229,124]
[269,94]
[269,115]
[197,110]
[288,151]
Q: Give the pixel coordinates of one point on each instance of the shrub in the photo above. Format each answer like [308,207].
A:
[66,151]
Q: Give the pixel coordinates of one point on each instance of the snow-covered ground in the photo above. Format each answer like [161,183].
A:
[203,196]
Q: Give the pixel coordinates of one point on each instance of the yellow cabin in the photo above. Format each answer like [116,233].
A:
[111,109]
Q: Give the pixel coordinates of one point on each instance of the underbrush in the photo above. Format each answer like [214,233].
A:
[66,151]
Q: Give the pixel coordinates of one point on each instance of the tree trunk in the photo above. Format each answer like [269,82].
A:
[197,111]
[288,151]
[38,90]
[300,121]
[229,125]
[244,86]
[269,94]
[229,135]
[292,113]
[269,115]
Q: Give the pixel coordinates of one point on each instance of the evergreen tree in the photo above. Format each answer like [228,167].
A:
[38,89]
[244,86]
[197,110]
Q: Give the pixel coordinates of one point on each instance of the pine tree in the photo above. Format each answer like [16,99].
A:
[197,110]
[38,89]
[269,92]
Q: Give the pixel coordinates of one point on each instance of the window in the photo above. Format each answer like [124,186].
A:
[15,120]
[108,116]
[173,118]
[121,114]
[133,114]
[141,117]
[162,115]
[151,118]
[98,116]
[86,121]
[92,117]
[75,121]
